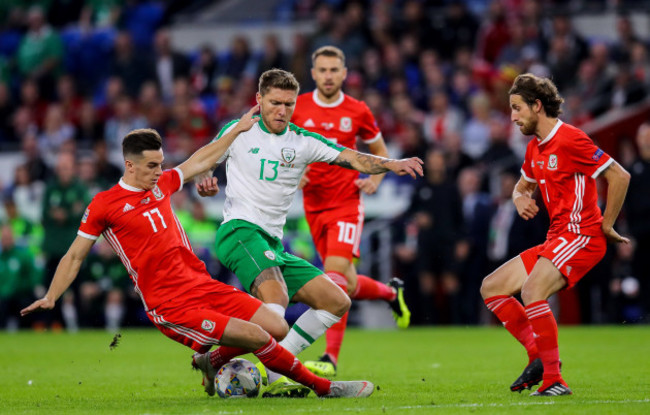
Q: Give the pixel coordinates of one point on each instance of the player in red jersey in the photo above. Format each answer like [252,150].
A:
[331,194]
[181,299]
[564,163]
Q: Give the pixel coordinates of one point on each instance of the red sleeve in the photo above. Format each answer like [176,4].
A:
[93,221]
[526,169]
[171,181]
[587,158]
[368,129]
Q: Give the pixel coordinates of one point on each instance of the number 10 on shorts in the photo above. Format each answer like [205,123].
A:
[347,232]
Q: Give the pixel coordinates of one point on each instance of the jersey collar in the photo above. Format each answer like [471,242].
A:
[129,187]
[551,134]
[266,130]
[336,103]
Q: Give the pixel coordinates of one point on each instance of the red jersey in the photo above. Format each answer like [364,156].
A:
[143,230]
[565,165]
[342,122]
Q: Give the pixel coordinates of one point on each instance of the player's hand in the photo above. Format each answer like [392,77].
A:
[247,121]
[526,207]
[38,305]
[411,166]
[304,180]
[613,236]
[207,187]
[366,185]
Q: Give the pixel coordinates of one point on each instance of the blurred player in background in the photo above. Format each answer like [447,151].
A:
[264,168]
[332,194]
[564,162]
[181,299]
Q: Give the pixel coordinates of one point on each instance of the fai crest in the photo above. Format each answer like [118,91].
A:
[288,154]
[552,162]
[157,193]
[346,124]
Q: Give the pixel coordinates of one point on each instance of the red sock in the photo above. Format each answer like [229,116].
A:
[223,354]
[513,316]
[334,335]
[334,338]
[545,327]
[369,289]
[278,359]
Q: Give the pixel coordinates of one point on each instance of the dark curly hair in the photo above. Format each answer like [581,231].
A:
[532,88]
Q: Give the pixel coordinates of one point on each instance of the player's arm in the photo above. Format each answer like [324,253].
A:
[618,180]
[65,274]
[369,164]
[370,184]
[205,158]
[522,197]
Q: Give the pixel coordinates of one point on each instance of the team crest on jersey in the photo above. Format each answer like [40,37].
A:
[85,217]
[346,124]
[207,325]
[157,193]
[552,162]
[288,154]
[270,255]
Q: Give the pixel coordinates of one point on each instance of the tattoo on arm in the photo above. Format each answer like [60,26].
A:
[365,163]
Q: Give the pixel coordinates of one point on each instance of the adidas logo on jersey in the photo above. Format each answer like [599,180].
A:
[310,123]
[127,207]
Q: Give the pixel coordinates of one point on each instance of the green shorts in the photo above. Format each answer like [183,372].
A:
[246,249]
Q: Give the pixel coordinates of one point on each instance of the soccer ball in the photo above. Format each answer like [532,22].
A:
[238,378]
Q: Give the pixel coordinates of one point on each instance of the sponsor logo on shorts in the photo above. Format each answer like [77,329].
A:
[207,325]
[270,255]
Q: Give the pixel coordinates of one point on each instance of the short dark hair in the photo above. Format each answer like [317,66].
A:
[532,88]
[278,78]
[140,140]
[330,52]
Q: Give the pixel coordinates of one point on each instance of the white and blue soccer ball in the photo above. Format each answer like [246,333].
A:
[238,378]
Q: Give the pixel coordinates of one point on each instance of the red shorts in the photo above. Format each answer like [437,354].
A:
[336,232]
[574,255]
[198,318]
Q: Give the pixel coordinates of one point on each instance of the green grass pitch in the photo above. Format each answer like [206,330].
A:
[417,371]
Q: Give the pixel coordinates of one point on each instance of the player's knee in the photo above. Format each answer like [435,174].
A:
[340,305]
[278,328]
[487,288]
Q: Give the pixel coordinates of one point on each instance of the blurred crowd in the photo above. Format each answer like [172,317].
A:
[76,76]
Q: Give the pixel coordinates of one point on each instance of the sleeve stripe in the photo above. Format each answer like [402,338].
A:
[225,128]
[373,139]
[87,235]
[180,174]
[602,168]
[528,179]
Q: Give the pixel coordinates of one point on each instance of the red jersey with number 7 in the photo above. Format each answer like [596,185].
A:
[342,122]
[565,166]
[144,231]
